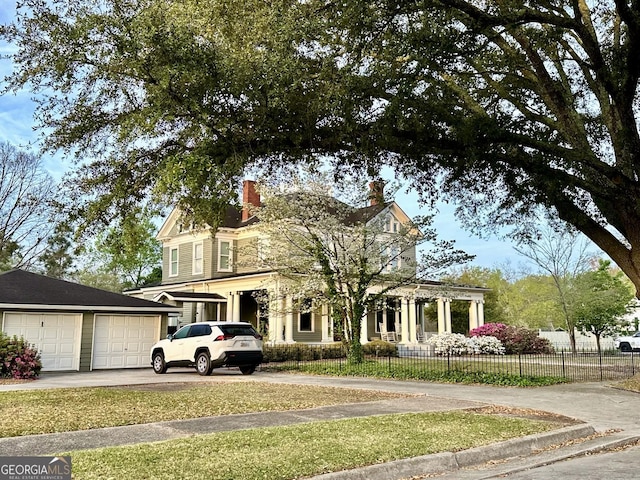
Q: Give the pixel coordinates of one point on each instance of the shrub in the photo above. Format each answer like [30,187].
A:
[487,344]
[488,329]
[450,344]
[457,344]
[516,340]
[295,352]
[380,348]
[18,359]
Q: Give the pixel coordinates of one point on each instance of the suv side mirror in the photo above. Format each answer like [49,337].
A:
[170,337]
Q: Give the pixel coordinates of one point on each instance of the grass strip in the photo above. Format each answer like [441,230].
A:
[66,409]
[387,369]
[302,450]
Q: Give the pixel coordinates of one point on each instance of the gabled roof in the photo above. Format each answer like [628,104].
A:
[22,289]
[190,297]
[232,218]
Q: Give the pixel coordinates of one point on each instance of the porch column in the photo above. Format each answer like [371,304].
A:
[364,330]
[442,326]
[288,326]
[480,313]
[275,319]
[413,333]
[447,315]
[473,314]
[230,306]
[404,317]
[236,307]
[327,330]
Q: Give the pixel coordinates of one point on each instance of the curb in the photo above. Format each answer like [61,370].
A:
[451,461]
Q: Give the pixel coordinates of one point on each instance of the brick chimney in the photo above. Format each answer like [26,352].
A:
[249,197]
[376,192]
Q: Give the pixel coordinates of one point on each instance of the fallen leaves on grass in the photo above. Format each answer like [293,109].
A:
[67,409]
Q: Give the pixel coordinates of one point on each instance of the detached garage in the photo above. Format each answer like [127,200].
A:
[75,327]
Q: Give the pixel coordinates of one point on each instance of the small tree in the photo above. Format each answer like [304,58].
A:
[602,298]
[130,250]
[563,255]
[333,252]
[26,206]
[57,259]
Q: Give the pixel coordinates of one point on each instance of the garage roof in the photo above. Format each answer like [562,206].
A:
[26,290]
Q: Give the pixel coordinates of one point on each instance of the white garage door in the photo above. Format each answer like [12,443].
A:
[124,341]
[55,335]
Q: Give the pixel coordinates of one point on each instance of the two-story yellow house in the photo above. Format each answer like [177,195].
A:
[201,275]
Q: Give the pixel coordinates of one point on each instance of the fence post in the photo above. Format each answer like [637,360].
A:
[633,367]
[563,368]
[448,362]
[600,362]
[520,363]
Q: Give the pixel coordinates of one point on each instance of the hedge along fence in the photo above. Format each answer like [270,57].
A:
[383,359]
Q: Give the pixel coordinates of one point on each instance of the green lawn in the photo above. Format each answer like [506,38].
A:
[302,450]
[265,453]
[507,370]
[433,370]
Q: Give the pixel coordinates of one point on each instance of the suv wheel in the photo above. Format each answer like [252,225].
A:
[203,363]
[248,369]
[625,347]
[159,366]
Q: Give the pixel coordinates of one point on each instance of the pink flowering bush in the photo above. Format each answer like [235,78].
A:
[516,340]
[488,329]
[18,359]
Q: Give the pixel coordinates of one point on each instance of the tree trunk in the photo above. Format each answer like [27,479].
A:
[355,353]
[572,338]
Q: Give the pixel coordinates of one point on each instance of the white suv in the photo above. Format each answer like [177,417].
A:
[208,345]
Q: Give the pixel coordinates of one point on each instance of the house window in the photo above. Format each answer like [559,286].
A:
[173,262]
[224,256]
[263,251]
[391,224]
[305,317]
[197,258]
[392,254]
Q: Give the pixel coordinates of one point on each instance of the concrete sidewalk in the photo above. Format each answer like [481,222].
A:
[598,406]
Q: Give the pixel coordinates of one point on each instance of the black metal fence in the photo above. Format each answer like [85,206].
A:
[419,362]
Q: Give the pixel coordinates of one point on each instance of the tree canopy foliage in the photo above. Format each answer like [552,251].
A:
[537,100]
[130,250]
[602,298]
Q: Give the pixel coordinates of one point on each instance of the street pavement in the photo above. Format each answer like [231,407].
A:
[598,406]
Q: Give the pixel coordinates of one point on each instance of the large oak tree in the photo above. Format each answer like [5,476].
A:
[502,106]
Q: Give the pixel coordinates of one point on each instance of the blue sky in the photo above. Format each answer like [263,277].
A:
[17,127]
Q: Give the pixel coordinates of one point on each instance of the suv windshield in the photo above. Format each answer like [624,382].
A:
[182,333]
